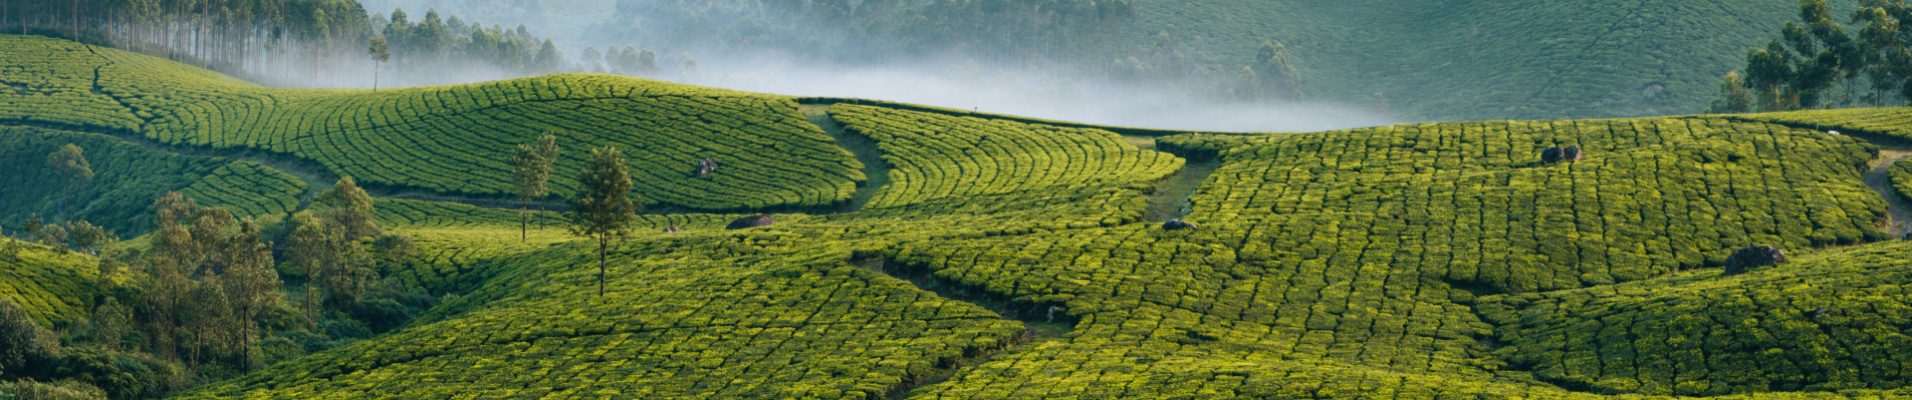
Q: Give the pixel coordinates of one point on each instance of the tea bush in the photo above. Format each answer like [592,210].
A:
[1830,321]
[1901,176]
[934,156]
[451,139]
[127,177]
[47,81]
[56,288]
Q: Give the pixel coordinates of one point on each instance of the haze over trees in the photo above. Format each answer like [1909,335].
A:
[1818,62]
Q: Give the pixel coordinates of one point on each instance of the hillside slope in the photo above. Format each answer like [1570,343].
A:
[1006,259]
[447,140]
[127,177]
[55,288]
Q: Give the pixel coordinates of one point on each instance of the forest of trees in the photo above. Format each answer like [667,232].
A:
[205,297]
[316,43]
[1819,63]
[210,295]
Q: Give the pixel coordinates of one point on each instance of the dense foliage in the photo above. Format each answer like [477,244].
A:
[1818,62]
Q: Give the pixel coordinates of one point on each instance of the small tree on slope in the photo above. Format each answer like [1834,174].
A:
[603,210]
[530,170]
[69,163]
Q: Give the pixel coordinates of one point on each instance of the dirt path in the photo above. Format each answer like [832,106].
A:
[1899,215]
[865,150]
[1170,199]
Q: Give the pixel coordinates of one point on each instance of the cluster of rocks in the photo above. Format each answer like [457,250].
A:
[1176,225]
[1747,258]
[1552,155]
[754,221]
[706,166]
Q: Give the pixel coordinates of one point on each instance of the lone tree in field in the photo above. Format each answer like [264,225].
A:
[530,170]
[603,210]
[350,207]
[69,164]
[380,52]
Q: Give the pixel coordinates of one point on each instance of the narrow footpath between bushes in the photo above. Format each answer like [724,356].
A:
[865,150]
[1899,215]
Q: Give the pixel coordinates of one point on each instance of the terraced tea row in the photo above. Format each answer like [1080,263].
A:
[248,189]
[1472,202]
[1830,321]
[1902,178]
[688,317]
[458,139]
[462,245]
[1895,123]
[127,178]
[52,82]
[936,156]
[56,288]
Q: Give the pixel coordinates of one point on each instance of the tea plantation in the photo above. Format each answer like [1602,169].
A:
[127,179]
[1010,259]
[1902,178]
[1834,320]
[452,139]
[935,156]
[56,288]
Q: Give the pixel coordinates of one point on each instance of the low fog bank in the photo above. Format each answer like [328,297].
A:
[806,50]
[1040,94]
[952,84]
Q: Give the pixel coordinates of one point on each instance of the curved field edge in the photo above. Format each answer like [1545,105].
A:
[451,139]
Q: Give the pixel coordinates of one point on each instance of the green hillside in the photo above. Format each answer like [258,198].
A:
[1832,320]
[56,288]
[452,139]
[127,179]
[1462,60]
[1013,258]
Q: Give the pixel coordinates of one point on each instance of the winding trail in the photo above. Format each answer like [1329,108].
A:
[865,150]
[1040,321]
[1170,200]
[1899,215]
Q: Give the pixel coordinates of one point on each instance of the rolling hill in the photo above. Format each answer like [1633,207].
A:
[1002,257]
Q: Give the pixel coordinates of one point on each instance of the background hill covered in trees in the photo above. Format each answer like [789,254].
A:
[1438,60]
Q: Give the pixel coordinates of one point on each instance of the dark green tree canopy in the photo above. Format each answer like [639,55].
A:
[604,209]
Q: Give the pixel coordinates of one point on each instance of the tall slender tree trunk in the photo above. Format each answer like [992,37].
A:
[601,243]
[309,322]
[524,223]
[245,337]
